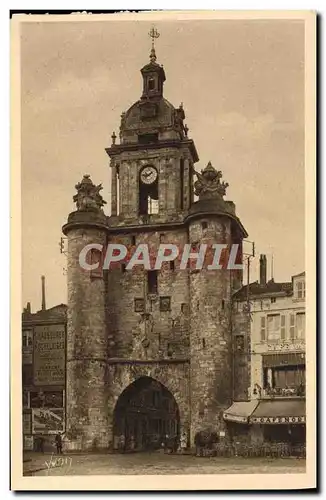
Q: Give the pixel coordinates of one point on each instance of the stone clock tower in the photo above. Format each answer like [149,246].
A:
[151,167]
[157,343]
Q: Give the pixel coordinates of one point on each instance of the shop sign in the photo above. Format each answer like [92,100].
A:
[277,420]
[235,418]
[283,347]
[49,355]
[47,421]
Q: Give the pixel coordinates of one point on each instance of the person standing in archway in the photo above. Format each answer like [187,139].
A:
[168,444]
[132,442]
[183,442]
[122,443]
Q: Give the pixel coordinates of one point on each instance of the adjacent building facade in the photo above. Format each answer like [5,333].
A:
[276,411]
[43,373]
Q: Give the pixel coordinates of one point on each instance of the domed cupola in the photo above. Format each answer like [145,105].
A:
[152,119]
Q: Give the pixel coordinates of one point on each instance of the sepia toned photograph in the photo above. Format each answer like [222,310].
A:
[163,213]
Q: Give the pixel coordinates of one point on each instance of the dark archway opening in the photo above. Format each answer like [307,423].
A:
[146,417]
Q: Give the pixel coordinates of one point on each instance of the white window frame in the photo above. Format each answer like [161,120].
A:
[300,289]
[283,327]
[275,334]
[293,333]
[28,335]
[302,335]
[153,206]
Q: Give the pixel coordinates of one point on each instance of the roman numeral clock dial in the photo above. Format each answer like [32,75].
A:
[148,175]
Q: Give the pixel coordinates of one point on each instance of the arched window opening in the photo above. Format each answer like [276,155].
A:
[151,83]
[148,191]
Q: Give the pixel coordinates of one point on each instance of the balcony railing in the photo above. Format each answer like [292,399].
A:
[284,392]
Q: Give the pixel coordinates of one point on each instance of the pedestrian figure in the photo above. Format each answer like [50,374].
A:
[167,443]
[116,441]
[183,442]
[300,390]
[122,442]
[41,444]
[58,443]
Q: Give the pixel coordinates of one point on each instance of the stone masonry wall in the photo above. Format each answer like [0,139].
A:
[241,353]
[86,348]
[166,330]
[210,333]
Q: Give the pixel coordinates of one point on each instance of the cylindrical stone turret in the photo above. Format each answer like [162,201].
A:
[210,335]
[211,222]
[86,392]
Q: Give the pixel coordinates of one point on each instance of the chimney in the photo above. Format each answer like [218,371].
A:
[43,293]
[262,269]
[28,308]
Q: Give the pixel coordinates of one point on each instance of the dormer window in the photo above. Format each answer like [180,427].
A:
[300,290]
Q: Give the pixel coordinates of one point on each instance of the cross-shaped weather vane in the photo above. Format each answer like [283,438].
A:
[153,33]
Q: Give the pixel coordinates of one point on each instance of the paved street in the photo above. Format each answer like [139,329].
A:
[154,463]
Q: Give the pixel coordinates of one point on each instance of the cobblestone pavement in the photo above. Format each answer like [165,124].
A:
[154,463]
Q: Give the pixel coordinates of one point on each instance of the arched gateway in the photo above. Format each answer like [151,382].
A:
[145,414]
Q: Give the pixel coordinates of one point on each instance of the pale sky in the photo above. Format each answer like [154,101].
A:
[242,86]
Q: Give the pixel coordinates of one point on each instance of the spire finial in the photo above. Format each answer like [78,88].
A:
[153,33]
[43,293]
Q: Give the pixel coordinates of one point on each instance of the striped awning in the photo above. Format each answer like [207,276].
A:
[240,411]
[279,412]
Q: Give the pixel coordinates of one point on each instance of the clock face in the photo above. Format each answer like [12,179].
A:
[148,175]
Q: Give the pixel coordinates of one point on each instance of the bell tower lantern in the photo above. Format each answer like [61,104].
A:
[153,74]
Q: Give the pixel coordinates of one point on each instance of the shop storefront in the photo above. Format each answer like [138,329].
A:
[262,423]
[237,418]
[284,374]
[279,421]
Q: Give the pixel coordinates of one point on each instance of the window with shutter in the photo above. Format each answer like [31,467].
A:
[27,338]
[263,328]
[273,327]
[300,325]
[292,326]
[283,327]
